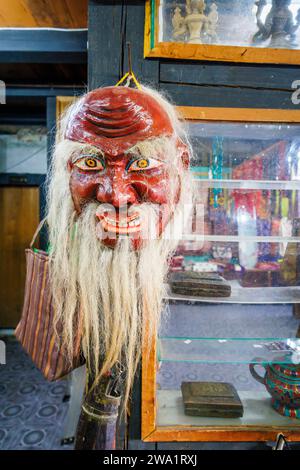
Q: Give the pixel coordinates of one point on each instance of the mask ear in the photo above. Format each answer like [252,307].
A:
[184,154]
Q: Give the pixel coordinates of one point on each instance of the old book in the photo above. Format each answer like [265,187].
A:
[199,284]
[211,399]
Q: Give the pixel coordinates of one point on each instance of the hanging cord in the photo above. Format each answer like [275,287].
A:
[130,74]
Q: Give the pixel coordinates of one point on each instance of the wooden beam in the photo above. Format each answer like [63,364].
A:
[206,52]
[239,114]
[252,76]
[43,46]
[38,13]
[236,97]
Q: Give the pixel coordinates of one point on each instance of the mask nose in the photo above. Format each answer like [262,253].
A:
[117,191]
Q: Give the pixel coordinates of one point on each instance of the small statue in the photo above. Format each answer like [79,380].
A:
[196,21]
[179,27]
[279,24]
[213,18]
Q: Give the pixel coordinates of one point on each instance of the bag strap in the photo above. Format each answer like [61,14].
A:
[40,226]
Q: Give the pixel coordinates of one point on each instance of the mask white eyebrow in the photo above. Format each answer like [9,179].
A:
[157,148]
[87,152]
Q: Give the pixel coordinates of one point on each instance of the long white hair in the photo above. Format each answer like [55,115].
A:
[108,295]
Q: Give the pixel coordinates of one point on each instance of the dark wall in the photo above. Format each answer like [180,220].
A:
[113,23]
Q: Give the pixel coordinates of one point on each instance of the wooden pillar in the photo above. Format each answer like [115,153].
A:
[111,24]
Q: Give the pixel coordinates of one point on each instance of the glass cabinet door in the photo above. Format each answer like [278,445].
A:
[247,227]
[228,368]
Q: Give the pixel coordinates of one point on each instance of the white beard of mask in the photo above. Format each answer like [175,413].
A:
[116,289]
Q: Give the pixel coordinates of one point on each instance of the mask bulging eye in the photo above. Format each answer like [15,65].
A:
[143,164]
[89,163]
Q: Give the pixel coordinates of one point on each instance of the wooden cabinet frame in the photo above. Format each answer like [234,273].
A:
[150,431]
[207,52]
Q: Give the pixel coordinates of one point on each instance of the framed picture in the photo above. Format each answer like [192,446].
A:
[254,31]
[246,172]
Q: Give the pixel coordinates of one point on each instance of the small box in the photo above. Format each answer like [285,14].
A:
[211,399]
[199,284]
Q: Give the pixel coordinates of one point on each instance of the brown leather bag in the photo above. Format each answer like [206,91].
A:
[35,330]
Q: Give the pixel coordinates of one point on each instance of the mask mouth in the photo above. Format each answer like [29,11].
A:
[119,222]
[123,226]
[136,221]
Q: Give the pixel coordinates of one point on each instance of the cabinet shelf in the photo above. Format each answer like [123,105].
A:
[248,184]
[257,412]
[228,350]
[245,295]
[240,238]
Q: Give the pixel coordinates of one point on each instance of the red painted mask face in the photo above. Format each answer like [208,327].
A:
[113,124]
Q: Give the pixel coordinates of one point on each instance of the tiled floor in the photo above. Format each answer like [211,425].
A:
[32,411]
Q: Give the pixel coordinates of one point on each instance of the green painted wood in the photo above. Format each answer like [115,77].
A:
[222,96]
[105,20]
[252,76]
[112,24]
[146,70]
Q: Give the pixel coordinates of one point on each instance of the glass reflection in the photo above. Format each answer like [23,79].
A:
[260,23]
[247,178]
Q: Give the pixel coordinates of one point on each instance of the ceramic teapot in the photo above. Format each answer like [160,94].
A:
[283,383]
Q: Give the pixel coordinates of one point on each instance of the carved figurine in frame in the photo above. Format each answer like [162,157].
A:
[223,31]
[279,25]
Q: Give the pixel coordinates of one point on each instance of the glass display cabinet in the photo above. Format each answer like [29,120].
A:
[265,31]
[246,171]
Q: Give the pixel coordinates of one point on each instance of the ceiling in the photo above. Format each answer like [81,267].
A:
[32,68]
[42,66]
[43,13]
